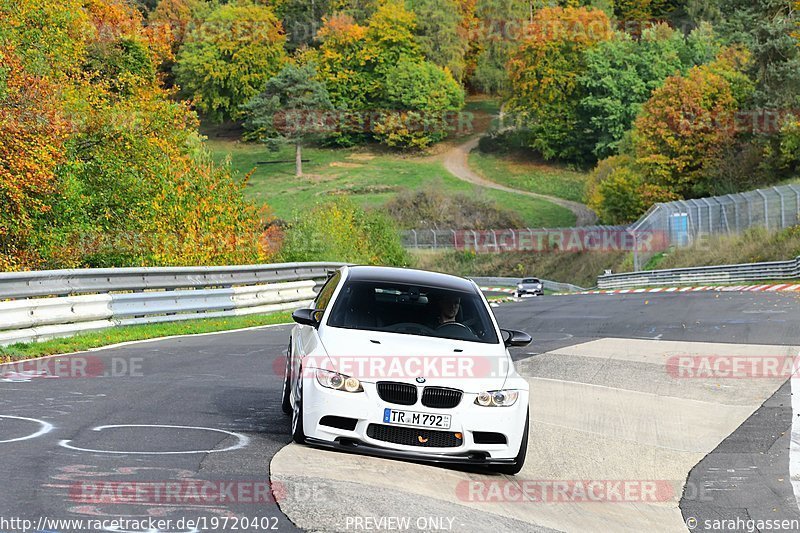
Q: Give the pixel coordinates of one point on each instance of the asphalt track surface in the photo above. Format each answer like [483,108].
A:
[206,409]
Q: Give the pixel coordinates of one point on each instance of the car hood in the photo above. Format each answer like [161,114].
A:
[375,356]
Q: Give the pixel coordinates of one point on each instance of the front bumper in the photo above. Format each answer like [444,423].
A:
[367,408]
[355,446]
[535,292]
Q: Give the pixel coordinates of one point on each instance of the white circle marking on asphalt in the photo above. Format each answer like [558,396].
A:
[46,428]
[242,440]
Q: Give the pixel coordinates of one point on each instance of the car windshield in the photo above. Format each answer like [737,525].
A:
[530,280]
[413,310]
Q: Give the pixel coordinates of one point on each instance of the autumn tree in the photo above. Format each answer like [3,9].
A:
[32,135]
[545,70]
[686,125]
[229,58]
[621,74]
[379,70]
[342,62]
[99,165]
[180,17]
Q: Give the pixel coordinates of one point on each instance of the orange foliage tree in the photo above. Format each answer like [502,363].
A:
[99,165]
[687,124]
[544,71]
[32,135]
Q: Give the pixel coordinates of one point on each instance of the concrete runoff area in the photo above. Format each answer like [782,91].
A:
[585,430]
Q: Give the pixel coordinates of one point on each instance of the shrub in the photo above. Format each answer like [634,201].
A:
[339,230]
[430,208]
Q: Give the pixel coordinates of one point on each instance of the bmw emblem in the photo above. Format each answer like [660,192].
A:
[420,380]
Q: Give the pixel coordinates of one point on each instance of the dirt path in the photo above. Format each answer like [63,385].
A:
[456,162]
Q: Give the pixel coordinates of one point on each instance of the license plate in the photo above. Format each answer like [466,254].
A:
[416,420]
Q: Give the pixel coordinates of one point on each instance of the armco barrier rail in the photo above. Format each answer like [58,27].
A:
[725,274]
[58,303]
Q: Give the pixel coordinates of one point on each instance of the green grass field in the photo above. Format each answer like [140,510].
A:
[520,173]
[110,336]
[370,177]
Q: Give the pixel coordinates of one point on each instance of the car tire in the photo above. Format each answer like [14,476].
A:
[286,404]
[298,435]
[519,461]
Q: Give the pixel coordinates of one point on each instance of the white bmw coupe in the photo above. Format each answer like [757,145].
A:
[406,364]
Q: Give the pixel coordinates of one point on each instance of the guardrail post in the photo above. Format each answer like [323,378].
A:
[494,236]
[797,199]
[766,208]
[735,212]
[708,207]
[435,245]
[416,242]
[783,207]
[455,239]
[749,210]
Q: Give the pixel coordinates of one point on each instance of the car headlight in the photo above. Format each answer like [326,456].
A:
[497,398]
[519,286]
[336,381]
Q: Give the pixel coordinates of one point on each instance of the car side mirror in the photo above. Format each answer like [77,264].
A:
[515,338]
[308,317]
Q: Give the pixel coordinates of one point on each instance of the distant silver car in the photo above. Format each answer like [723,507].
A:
[529,286]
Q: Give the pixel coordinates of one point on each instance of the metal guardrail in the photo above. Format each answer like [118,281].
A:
[724,274]
[58,303]
[512,283]
[97,280]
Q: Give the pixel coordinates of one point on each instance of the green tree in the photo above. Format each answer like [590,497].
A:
[229,58]
[501,23]
[379,70]
[439,33]
[290,109]
[545,70]
[419,95]
[622,73]
[766,28]
[302,19]
[390,36]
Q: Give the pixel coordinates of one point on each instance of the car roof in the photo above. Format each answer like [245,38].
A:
[411,277]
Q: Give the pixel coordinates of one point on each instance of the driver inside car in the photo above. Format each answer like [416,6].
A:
[448,309]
